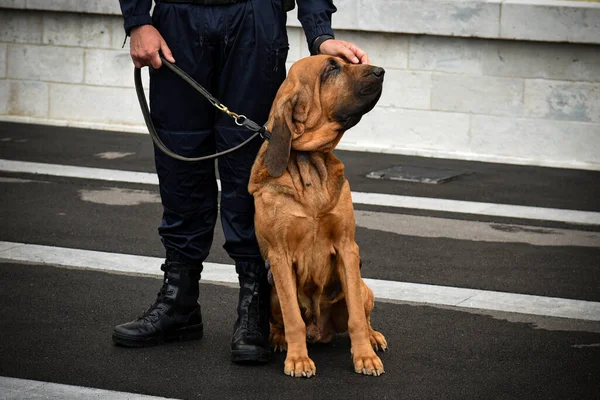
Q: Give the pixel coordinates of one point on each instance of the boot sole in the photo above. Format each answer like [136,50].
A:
[194,332]
[258,356]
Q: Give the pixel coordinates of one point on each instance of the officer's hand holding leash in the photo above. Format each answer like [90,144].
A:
[145,44]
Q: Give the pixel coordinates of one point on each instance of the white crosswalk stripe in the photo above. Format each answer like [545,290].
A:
[378,199]
[14,388]
[384,290]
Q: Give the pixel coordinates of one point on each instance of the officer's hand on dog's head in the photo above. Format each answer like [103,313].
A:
[145,44]
[347,50]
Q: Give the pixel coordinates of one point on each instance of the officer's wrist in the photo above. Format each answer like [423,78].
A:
[314,49]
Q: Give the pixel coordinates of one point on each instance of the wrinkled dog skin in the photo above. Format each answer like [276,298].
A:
[304,215]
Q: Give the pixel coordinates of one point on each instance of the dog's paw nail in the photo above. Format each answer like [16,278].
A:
[364,371]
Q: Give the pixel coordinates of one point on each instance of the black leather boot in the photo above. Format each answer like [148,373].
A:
[175,315]
[250,340]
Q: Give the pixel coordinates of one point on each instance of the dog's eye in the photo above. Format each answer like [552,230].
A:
[331,67]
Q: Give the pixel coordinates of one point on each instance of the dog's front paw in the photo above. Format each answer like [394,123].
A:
[299,366]
[367,363]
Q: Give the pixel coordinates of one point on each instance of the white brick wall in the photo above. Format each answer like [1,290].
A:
[45,63]
[574,62]
[556,20]
[20,27]
[497,100]
[393,129]
[83,31]
[535,139]
[452,55]
[28,98]
[3,60]
[407,89]
[89,6]
[4,96]
[110,68]
[571,101]
[105,105]
[477,94]
[471,17]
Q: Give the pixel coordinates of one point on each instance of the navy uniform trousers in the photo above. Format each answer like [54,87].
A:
[237,52]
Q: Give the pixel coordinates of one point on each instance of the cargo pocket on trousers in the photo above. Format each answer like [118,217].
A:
[277,68]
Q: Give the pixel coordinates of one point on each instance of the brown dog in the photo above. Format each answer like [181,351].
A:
[304,215]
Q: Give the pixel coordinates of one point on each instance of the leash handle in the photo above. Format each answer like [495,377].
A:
[240,120]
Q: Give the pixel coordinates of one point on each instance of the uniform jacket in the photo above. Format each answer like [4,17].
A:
[314,15]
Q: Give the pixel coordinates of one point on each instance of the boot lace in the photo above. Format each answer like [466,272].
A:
[150,313]
[254,318]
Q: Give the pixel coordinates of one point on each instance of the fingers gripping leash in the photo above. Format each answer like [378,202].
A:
[239,119]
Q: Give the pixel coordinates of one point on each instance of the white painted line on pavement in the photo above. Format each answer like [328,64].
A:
[378,199]
[15,388]
[472,207]
[70,171]
[473,231]
[384,290]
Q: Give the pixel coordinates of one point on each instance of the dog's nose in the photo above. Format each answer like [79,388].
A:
[378,72]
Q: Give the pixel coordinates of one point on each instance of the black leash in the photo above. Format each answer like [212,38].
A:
[240,120]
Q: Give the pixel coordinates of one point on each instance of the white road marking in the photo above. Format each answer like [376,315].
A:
[472,207]
[474,231]
[70,171]
[15,388]
[384,290]
[113,155]
[119,196]
[388,200]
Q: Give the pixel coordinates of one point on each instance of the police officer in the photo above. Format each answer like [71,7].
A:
[237,50]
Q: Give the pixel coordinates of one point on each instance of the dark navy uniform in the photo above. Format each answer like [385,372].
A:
[237,51]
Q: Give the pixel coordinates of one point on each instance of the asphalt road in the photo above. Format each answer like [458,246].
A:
[56,322]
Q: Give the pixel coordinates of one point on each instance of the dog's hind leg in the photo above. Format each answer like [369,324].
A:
[339,318]
[376,338]
[277,335]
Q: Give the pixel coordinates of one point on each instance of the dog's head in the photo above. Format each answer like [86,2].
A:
[321,98]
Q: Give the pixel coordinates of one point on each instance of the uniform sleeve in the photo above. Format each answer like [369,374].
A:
[315,17]
[135,13]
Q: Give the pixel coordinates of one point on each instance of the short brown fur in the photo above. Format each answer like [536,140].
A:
[304,215]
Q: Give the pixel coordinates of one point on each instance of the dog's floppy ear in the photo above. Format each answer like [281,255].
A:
[288,115]
[280,144]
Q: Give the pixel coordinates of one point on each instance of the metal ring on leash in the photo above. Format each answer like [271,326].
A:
[240,117]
